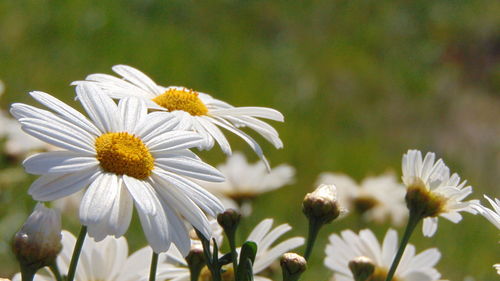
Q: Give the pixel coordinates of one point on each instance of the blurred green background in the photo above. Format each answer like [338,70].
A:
[359,83]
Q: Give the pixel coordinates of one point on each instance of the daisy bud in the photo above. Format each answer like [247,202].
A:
[362,268]
[321,205]
[292,266]
[38,242]
[229,220]
[195,260]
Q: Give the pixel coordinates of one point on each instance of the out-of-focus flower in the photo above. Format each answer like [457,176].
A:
[497,267]
[262,235]
[349,246]
[321,205]
[245,181]
[69,205]
[38,241]
[124,156]
[375,198]
[198,111]
[492,215]
[105,260]
[17,142]
[432,192]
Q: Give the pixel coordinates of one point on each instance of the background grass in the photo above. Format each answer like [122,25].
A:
[359,83]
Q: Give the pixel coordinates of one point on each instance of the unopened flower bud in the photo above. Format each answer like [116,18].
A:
[229,220]
[321,205]
[292,266]
[362,268]
[38,242]
[195,257]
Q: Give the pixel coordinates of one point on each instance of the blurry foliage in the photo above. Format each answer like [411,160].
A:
[359,83]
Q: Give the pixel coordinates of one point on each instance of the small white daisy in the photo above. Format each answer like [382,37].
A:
[125,157]
[263,236]
[434,190]
[245,181]
[493,215]
[105,260]
[198,111]
[497,267]
[349,246]
[376,198]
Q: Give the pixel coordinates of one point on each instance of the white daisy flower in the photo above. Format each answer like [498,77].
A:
[376,198]
[245,181]
[263,236]
[198,111]
[493,215]
[432,190]
[105,260]
[349,246]
[497,267]
[125,157]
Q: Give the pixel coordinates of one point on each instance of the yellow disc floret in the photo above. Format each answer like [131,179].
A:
[124,154]
[182,99]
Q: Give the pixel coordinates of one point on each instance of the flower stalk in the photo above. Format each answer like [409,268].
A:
[76,253]
[154,265]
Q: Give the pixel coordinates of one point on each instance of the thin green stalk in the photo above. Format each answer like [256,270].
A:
[55,270]
[413,221]
[27,273]
[212,265]
[154,265]
[314,227]
[76,253]
[234,255]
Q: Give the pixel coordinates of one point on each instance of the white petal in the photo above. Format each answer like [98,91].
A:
[260,112]
[137,77]
[99,198]
[190,167]
[100,108]
[216,133]
[154,124]
[142,193]
[429,226]
[174,140]
[132,111]
[52,187]
[55,162]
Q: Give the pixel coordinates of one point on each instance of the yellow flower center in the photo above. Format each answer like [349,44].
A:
[182,99]
[380,274]
[364,203]
[424,202]
[227,274]
[124,154]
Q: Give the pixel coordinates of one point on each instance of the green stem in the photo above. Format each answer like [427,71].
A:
[76,253]
[154,265]
[55,270]
[413,221]
[314,227]
[231,237]
[212,265]
[27,273]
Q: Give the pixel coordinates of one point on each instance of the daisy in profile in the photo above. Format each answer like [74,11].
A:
[245,181]
[196,110]
[262,235]
[105,260]
[351,247]
[125,157]
[432,191]
[376,198]
[492,215]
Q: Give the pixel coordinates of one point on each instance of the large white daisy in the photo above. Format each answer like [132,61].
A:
[349,246]
[432,180]
[125,157]
[262,235]
[105,260]
[196,110]
[376,198]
